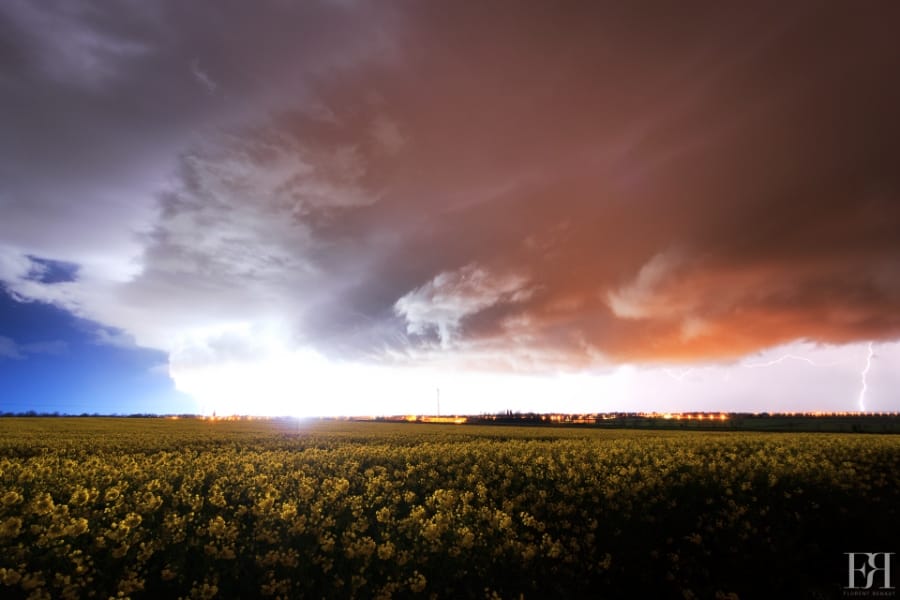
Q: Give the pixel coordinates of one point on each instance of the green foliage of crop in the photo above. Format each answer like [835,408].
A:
[152,508]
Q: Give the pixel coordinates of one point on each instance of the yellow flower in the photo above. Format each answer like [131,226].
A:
[217,526]
[466,537]
[42,504]
[132,520]
[9,576]
[79,497]
[10,527]
[385,551]
[417,582]
[10,498]
[77,526]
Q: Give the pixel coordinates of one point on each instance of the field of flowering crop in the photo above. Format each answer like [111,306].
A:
[155,508]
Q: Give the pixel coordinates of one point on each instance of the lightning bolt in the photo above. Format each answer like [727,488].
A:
[780,359]
[678,374]
[863,376]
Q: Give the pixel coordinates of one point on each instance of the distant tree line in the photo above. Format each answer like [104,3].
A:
[33,413]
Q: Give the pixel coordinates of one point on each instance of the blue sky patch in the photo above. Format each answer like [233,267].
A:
[47,270]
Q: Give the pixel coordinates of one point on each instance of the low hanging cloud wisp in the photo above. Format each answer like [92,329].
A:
[451,296]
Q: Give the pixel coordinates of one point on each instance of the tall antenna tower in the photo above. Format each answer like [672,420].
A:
[439,402]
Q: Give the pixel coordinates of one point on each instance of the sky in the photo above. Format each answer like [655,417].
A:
[342,207]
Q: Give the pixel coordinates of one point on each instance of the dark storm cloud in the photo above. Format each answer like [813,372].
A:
[515,184]
[99,99]
[665,186]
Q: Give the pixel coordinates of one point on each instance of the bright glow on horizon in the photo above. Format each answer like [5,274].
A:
[304,384]
[273,379]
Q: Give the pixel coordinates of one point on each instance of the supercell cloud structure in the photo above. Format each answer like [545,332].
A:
[519,187]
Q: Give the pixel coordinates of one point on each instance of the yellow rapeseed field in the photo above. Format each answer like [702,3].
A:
[155,508]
